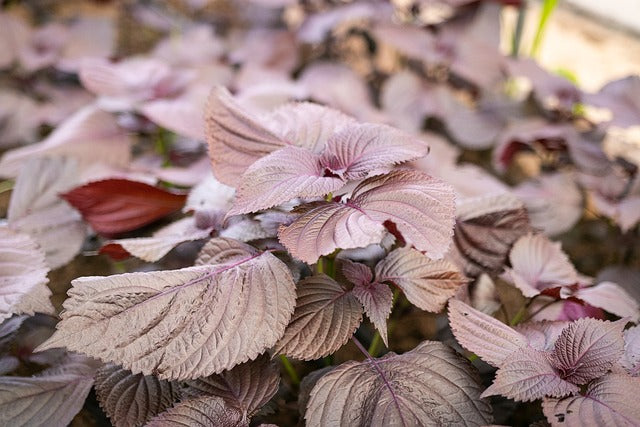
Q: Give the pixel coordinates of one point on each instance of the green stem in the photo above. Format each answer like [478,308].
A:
[6,185]
[295,379]
[540,309]
[377,338]
[519,315]
[162,146]
[547,9]
[517,34]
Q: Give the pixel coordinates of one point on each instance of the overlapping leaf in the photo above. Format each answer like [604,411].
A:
[247,387]
[355,152]
[420,207]
[426,283]
[427,385]
[610,297]
[537,264]
[52,398]
[610,401]
[204,411]
[88,136]
[236,139]
[528,375]
[326,316]
[23,276]
[284,175]
[36,209]
[186,323]
[114,206]
[631,359]
[153,248]
[485,229]
[587,349]
[487,337]
[375,297]
[133,399]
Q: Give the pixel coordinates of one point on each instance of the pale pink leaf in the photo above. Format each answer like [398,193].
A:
[610,297]
[490,339]
[281,176]
[527,375]
[419,206]
[426,283]
[484,295]
[36,209]
[23,276]
[542,335]
[338,86]
[153,248]
[326,226]
[587,349]
[538,263]
[194,46]
[553,202]
[182,324]
[620,97]
[235,139]
[631,358]
[90,135]
[609,401]
[307,125]
[429,385]
[486,227]
[210,195]
[181,115]
[204,411]
[123,85]
[247,387]
[362,150]
[326,316]
[133,399]
[51,398]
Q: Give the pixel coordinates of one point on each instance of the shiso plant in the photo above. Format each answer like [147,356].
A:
[320,214]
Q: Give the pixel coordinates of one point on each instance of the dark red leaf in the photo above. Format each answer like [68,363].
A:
[115,251]
[115,206]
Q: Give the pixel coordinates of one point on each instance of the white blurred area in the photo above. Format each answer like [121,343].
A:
[595,40]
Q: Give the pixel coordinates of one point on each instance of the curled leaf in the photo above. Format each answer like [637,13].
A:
[537,264]
[485,229]
[114,206]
